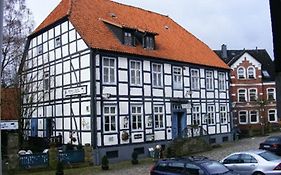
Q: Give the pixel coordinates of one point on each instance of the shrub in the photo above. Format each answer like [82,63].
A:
[104,163]
[135,158]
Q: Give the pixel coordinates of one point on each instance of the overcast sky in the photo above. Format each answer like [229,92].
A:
[237,23]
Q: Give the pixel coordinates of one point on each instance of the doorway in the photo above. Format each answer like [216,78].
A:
[178,123]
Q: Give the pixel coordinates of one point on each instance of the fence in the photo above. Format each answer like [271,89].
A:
[40,160]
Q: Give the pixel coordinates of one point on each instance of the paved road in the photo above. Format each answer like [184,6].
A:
[217,154]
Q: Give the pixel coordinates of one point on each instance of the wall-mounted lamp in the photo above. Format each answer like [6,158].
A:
[106,95]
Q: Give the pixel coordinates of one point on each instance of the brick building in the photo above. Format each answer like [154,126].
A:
[252,89]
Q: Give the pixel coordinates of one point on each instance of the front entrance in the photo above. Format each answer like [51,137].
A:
[178,123]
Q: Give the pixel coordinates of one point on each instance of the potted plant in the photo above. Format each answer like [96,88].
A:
[59,168]
[135,158]
[104,163]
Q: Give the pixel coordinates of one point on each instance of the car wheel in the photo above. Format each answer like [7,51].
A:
[258,173]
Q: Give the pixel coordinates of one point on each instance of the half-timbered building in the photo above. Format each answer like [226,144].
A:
[121,79]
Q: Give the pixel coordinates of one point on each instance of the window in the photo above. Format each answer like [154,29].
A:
[196,115]
[271,94]
[195,79]
[254,117]
[246,158]
[221,81]
[128,39]
[272,115]
[135,69]
[241,95]
[232,159]
[241,73]
[243,117]
[223,114]
[177,81]
[211,115]
[251,73]
[158,117]
[46,81]
[57,41]
[209,80]
[253,94]
[110,118]
[157,75]
[136,117]
[148,42]
[39,49]
[109,70]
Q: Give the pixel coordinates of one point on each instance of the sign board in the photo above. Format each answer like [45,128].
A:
[9,125]
[76,91]
[186,106]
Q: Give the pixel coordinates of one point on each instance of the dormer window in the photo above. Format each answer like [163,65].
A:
[128,38]
[148,42]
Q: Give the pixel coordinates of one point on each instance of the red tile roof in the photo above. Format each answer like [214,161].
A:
[10,101]
[173,42]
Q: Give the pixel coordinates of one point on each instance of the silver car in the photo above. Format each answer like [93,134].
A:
[254,162]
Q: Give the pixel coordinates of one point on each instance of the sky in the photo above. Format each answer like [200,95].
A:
[237,23]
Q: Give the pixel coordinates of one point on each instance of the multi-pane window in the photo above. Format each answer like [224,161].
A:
[157,75]
[46,81]
[243,117]
[136,117]
[128,38]
[221,81]
[195,79]
[109,70]
[196,115]
[223,114]
[254,117]
[253,94]
[211,114]
[110,118]
[135,69]
[209,80]
[271,94]
[158,117]
[177,78]
[39,49]
[251,73]
[241,95]
[241,73]
[272,115]
[148,42]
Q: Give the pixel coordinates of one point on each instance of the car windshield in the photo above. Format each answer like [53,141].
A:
[214,167]
[269,156]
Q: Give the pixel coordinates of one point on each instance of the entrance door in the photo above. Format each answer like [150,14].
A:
[178,124]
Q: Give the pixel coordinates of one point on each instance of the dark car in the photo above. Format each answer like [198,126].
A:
[189,166]
[272,144]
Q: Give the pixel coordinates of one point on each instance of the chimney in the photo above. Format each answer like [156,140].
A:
[224,51]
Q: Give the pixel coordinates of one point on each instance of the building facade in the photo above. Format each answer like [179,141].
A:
[119,83]
[253,92]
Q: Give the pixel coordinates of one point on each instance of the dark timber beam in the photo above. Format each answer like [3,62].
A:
[275,9]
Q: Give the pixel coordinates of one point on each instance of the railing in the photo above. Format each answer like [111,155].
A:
[73,156]
[34,160]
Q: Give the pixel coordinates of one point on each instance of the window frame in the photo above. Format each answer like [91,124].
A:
[195,79]
[211,113]
[196,115]
[57,41]
[40,49]
[137,117]
[246,116]
[257,116]
[223,114]
[158,75]
[250,95]
[239,74]
[209,80]
[273,95]
[136,71]
[149,42]
[221,81]
[46,81]
[275,115]
[177,78]
[110,116]
[158,115]
[248,72]
[245,95]
[109,67]
[128,38]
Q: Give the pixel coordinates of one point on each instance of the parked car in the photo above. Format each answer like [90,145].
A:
[189,166]
[272,144]
[254,162]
